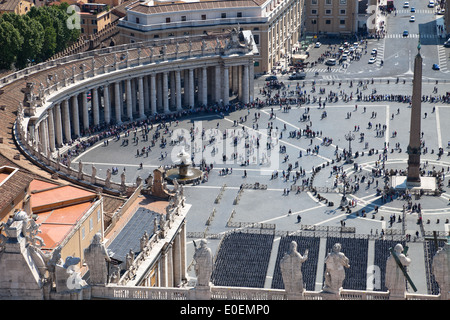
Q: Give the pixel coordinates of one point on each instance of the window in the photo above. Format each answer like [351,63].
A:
[342,21]
[314,2]
[328,11]
[156,36]
[343,2]
[239,15]
[313,21]
[186,33]
[137,20]
[83,233]
[99,215]
[342,11]
[203,16]
[183,18]
[170,35]
[256,38]
[167,20]
[131,34]
[91,224]
[327,21]
[223,15]
[314,11]
[328,2]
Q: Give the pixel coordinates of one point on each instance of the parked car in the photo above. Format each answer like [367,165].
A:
[431,4]
[405,33]
[372,60]
[374,52]
[297,76]
[330,62]
[406,4]
[435,67]
[412,19]
[317,45]
[271,78]
[413,9]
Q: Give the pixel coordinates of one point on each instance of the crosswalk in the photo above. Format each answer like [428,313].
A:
[418,11]
[412,35]
[442,54]
[323,70]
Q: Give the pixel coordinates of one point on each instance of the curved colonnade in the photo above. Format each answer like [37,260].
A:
[128,83]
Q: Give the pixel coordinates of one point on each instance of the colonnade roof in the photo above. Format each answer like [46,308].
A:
[194,6]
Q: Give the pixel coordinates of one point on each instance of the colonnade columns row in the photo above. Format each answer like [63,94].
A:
[204,97]
[153,93]
[85,111]
[191,88]
[129,101]
[59,134]
[51,130]
[141,98]
[226,85]
[178,90]
[245,85]
[165,92]
[95,106]
[67,127]
[75,116]
[118,102]
[107,104]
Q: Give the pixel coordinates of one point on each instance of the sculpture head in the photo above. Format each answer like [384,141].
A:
[337,247]
[292,247]
[398,248]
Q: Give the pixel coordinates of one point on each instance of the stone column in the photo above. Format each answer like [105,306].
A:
[85,111]
[245,85]
[204,86]
[178,89]
[170,279]
[191,88]
[165,92]
[141,98]
[183,251]
[226,86]
[159,91]
[95,107]
[106,104]
[43,134]
[153,93]
[177,261]
[163,272]
[118,102]
[217,80]
[67,128]
[251,80]
[59,134]
[146,96]
[172,101]
[129,100]
[134,95]
[75,116]
[51,130]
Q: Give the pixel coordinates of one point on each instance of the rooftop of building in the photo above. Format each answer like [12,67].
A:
[193,6]
[10,5]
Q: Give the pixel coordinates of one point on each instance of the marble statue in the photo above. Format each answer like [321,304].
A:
[335,262]
[108,178]
[95,256]
[80,170]
[143,241]
[203,264]
[94,173]
[291,271]
[441,270]
[129,258]
[395,280]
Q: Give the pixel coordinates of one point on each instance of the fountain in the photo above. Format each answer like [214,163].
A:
[184,173]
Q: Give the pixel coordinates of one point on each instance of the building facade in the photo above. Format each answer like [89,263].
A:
[331,17]
[274,24]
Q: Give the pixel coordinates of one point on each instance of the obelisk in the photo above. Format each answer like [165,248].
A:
[413,150]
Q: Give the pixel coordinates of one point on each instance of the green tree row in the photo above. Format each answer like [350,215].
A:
[35,36]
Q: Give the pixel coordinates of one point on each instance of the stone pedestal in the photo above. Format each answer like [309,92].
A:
[202,293]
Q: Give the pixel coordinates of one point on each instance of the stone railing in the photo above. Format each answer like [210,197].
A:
[115,292]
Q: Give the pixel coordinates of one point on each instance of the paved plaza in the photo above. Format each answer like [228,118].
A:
[282,201]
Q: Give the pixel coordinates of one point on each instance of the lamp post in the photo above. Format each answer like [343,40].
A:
[349,137]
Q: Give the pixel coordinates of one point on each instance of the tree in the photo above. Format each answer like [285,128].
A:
[10,44]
